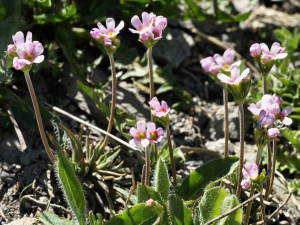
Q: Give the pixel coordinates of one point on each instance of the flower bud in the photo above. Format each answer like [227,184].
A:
[273,132]
[155,207]
[255,50]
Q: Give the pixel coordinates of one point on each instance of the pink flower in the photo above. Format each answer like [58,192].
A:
[31,53]
[214,68]
[96,33]
[255,49]
[276,52]
[266,119]
[18,64]
[273,132]
[151,27]
[251,171]
[159,110]
[246,183]
[282,116]
[225,62]
[236,78]
[11,48]
[153,134]
[150,202]
[111,30]
[206,63]
[139,135]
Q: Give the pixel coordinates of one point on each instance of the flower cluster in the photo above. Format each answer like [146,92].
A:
[25,52]
[216,64]
[160,112]
[149,29]
[238,85]
[250,173]
[266,58]
[143,136]
[269,118]
[108,36]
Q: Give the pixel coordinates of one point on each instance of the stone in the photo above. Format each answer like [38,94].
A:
[174,51]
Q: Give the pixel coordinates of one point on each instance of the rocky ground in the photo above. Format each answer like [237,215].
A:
[201,126]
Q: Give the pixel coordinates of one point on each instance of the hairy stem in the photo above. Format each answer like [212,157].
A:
[269,166]
[171,157]
[147,177]
[113,99]
[226,129]
[150,64]
[274,164]
[38,117]
[241,165]
[263,209]
[258,155]
[248,210]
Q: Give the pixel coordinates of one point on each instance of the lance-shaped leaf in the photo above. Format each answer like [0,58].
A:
[144,193]
[161,179]
[71,187]
[234,218]
[193,185]
[137,215]
[179,213]
[210,205]
[52,219]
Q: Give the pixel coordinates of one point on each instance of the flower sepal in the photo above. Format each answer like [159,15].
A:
[265,67]
[27,68]
[11,55]
[111,49]
[165,121]
[149,43]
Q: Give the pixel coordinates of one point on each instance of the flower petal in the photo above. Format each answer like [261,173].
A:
[275,48]
[134,31]
[145,142]
[287,121]
[159,138]
[29,37]
[243,75]
[224,78]
[102,28]
[28,47]
[248,166]
[120,26]
[235,72]
[245,174]
[146,19]
[245,184]
[19,37]
[133,132]
[141,126]
[229,55]
[20,53]
[219,60]
[281,55]
[159,131]
[157,106]
[151,127]
[287,110]
[38,50]
[254,171]
[164,105]
[136,22]
[264,47]
[39,59]
[237,63]
[253,109]
[110,24]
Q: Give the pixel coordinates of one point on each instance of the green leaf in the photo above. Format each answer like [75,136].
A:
[52,219]
[210,205]
[234,218]
[211,172]
[199,14]
[72,189]
[137,215]
[295,142]
[242,17]
[133,198]
[93,220]
[45,3]
[179,213]
[161,179]
[144,193]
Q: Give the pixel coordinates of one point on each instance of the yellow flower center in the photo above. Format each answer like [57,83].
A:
[153,136]
[279,117]
[227,67]
[141,136]
[110,33]
[29,57]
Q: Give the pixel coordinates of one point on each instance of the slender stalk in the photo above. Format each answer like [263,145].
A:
[150,64]
[265,85]
[113,99]
[274,164]
[155,151]
[241,165]
[248,210]
[147,177]
[171,157]
[226,129]
[38,117]
[258,156]
[263,209]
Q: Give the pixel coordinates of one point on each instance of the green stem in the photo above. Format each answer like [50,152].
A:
[155,151]
[172,157]
[248,211]
[113,99]
[38,117]
[226,127]
[263,209]
[241,165]
[147,177]
[265,85]
[274,164]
